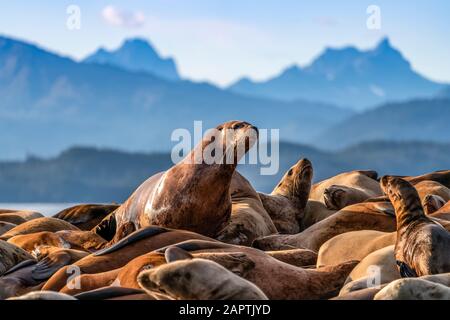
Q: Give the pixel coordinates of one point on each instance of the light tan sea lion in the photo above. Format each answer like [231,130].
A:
[118,255]
[286,204]
[25,214]
[38,225]
[315,211]
[11,255]
[192,195]
[376,269]
[6,226]
[198,279]
[432,187]
[443,177]
[44,295]
[422,245]
[413,289]
[346,189]
[353,245]
[249,220]
[86,216]
[377,216]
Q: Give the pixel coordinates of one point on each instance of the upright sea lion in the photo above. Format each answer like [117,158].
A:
[194,194]
[11,255]
[6,226]
[422,245]
[353,245]
[413,289]
[286,204]
[86,216]
[116,256]
[346,188]
[249,220]
[38,225]
[377,216]
[199,279]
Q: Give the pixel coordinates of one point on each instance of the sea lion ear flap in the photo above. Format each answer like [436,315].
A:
[174,254]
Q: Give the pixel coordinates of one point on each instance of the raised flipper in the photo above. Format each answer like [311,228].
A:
[135,236]
[405,270]
[50,264]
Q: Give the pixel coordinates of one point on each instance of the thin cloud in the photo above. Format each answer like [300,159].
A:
[123,18]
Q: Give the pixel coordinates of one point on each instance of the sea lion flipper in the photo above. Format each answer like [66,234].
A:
[405,270]
[49,265]
[193,245]
[174,254]
[135,236]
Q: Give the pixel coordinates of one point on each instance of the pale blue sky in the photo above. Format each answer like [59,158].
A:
[221,41]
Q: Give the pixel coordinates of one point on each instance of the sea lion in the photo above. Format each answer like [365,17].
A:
[374,270]
[198,279]
[44,295]
[86,216]
[443,177]
[115,293]
[353,245]
[38,225]
[11,255]
[6,226]
[377,216]
[18,280]
[116,256]
[25,214]
[315,211]
[286,204]
[193,195]
[12,218]
[432,203]
[422,244]
[249,220]
[427,187]
[413,289]
[362,294]
[79,240]
[346,189]
[442,213]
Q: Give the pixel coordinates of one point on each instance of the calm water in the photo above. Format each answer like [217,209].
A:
[47,209]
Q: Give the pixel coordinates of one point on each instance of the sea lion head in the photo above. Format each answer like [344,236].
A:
[198,279]
[228,142]
[296,182]
[432,203]
[404,197]
[335,197]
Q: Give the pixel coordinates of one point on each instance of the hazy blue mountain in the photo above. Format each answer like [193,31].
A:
[421,120]
[348,77]
[444,93]
[49,103]
[101,175]
[137,55]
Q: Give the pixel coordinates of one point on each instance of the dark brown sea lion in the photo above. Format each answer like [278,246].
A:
[86,216]
[377,216]
[25,214]
[12,218]
[198,279]
[6,226]
[346,188]
[194,194]
[18,280]
[38,225]
[286,204]
[249,220]
[11,255]
[116,256]
[422,245]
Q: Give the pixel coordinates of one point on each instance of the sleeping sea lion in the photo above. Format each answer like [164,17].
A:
[25,214]
[413,289]
[377,216]
[193,195]
[44,295]
[422,243]
[346,189]
[249,220]
[198,279]
[86,216]
[38,225]
[286,204]
[6,226]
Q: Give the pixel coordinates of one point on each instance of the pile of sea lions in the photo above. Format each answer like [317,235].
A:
[200,231]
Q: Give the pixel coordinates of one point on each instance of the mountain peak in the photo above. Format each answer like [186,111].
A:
[137,54]
[384,43]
